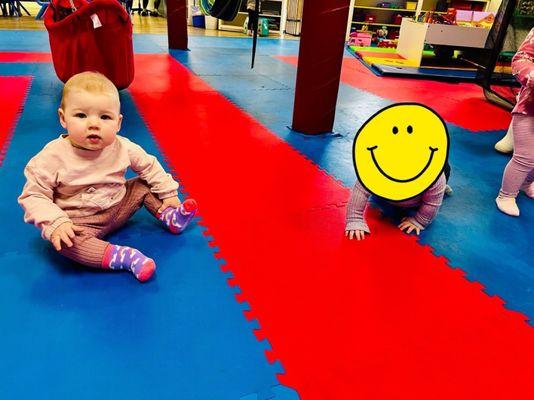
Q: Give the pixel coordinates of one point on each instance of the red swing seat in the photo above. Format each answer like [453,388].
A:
[79,44]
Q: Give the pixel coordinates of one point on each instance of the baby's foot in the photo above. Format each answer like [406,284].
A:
[507,205]
[528,188]
[505,145]
[128,258]
[448,190]
[177,219]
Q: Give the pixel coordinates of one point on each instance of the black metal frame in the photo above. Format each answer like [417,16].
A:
[494,43]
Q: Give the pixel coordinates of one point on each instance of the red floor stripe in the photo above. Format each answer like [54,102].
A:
[25,57]
[462,104]
[10,107]
[381,319]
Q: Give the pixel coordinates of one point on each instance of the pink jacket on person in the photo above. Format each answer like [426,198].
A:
[523,70]
[64,181]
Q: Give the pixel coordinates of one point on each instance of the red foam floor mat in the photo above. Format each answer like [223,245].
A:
[462,104]
[25,57]
[379,319]
[10,107]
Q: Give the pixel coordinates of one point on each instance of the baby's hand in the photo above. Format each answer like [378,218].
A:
[173,202]
[351,234]
[64,233]
[408,226]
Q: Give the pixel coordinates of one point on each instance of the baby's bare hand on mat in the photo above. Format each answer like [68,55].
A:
[408,226]
[355,234]
[64,233]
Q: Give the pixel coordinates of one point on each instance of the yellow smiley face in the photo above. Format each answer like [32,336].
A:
[401,151]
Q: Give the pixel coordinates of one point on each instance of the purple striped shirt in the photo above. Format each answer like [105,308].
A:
[428,204]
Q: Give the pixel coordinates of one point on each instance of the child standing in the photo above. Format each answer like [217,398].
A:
[519,172]
[76,192]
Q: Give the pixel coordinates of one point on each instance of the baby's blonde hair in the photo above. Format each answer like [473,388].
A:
[92,82]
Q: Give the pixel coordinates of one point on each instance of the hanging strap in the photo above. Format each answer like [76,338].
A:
[255,32]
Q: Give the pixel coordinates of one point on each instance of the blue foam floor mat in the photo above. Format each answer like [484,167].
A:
[68,331]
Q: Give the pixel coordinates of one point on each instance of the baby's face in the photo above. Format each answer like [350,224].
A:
[92,120]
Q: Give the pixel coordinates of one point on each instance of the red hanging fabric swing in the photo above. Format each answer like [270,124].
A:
[95,36]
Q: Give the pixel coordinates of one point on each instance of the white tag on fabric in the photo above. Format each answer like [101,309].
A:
[96,21]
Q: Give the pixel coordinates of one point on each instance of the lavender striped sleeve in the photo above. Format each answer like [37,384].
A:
[430,203]
[359,198]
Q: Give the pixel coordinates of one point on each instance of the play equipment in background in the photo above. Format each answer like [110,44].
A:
[360,39]
[197,17]
[370,18]
[227,10]
[388,43]
[451,17]
[485,65]
[263,26]
[381,34]
[523,18]
[397,19]
[44,5]
[95,36]
[497,87]
[525,8]
[222,9]
[478,19]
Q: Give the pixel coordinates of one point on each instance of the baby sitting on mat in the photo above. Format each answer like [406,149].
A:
[76,192]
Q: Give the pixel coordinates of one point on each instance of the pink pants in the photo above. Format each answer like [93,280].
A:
[88,248]
[520,169]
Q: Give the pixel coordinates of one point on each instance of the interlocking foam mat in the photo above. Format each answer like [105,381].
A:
[343,320]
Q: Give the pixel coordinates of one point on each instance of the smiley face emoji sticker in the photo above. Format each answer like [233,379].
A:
[401,151]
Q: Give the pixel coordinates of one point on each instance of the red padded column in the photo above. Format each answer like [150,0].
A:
[324,25]
[177,24]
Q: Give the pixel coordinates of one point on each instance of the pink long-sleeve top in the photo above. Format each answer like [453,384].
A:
[523,70]
[63,181]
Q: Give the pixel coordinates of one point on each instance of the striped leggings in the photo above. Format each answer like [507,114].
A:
[88,247]
[520,169]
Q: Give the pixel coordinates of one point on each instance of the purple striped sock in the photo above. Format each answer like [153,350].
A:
[130,259]
[177,219]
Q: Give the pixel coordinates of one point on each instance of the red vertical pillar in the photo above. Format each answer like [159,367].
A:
[177,24]
[324,25]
